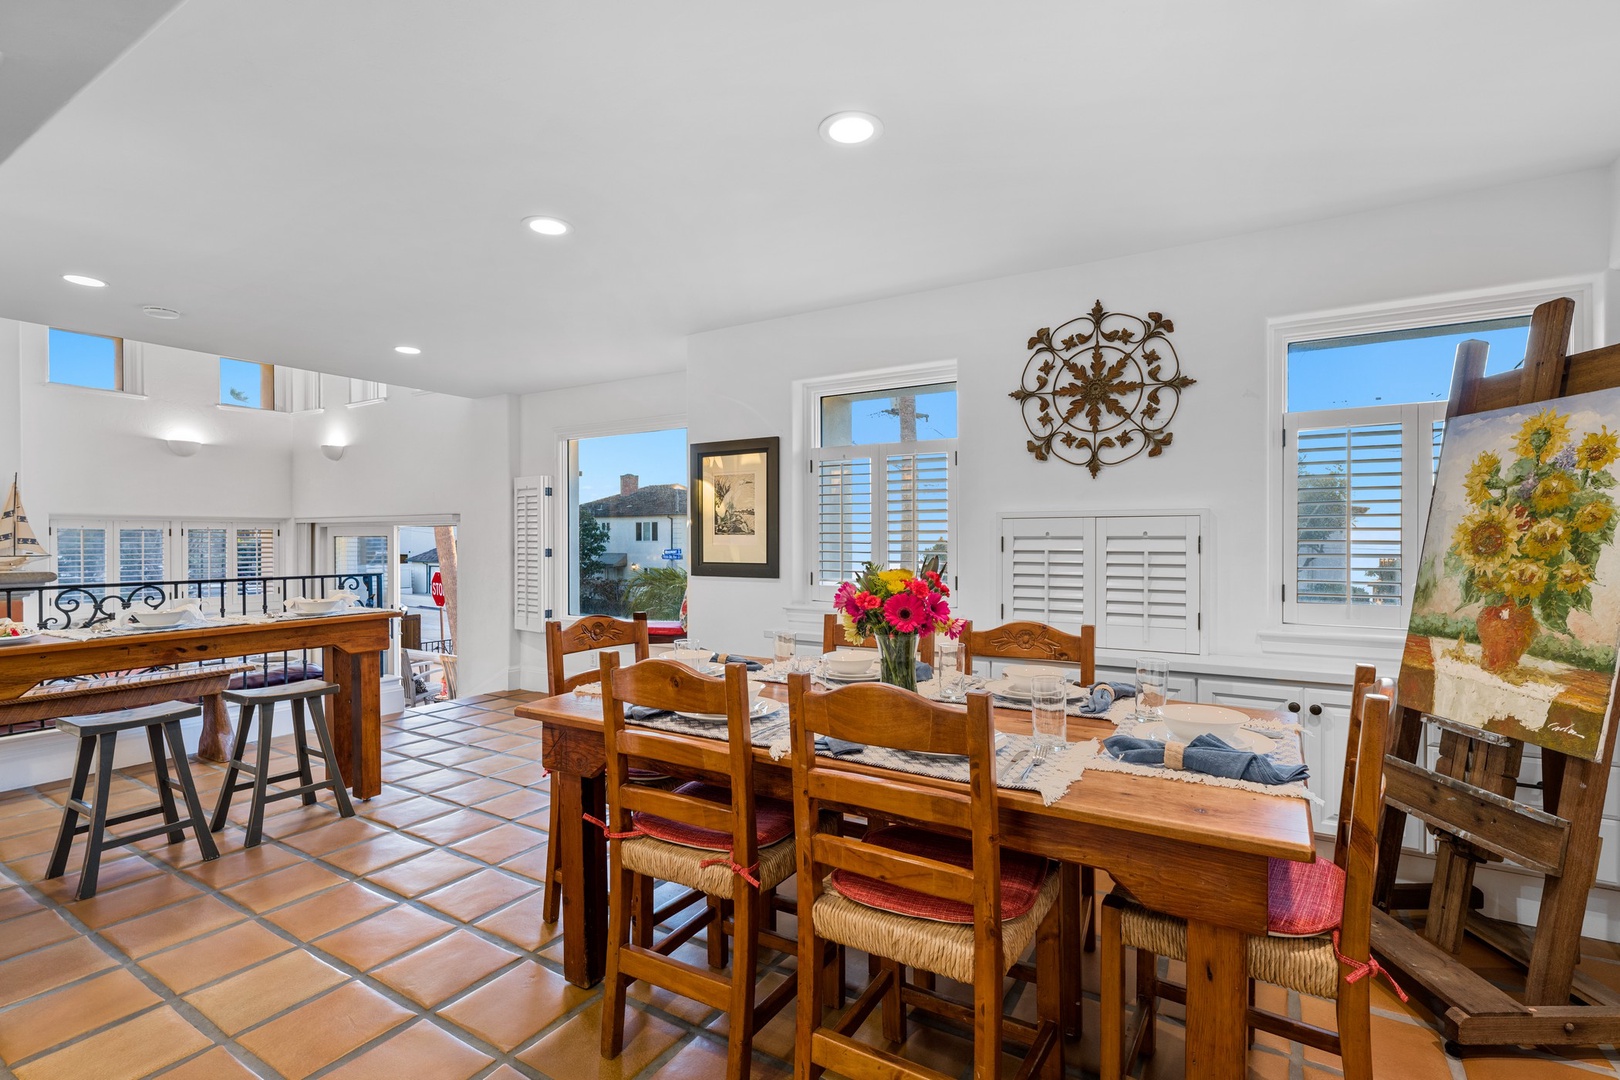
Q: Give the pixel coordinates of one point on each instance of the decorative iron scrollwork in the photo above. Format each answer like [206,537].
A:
[1100,389]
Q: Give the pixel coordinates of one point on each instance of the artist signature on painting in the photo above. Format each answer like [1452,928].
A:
[1565,729]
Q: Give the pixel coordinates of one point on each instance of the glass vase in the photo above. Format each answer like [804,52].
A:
[897,659]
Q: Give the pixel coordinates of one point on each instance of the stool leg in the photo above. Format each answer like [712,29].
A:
[553,893]
[244,723]
[334,775]
[105,747]
[188,791]
[301,747]
[160,773]
[261,781]
[70,816]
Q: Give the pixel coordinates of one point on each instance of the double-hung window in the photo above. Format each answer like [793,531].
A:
[1364,403]
[882,477]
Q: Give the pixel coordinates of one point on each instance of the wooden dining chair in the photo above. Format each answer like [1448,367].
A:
[588,634]
[833,637]
[714,837]
[1320,916]
[933,892]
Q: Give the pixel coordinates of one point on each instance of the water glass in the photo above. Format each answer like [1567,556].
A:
[786,647]
[1152,687]
[1048,709]
[948,656]
[683,643]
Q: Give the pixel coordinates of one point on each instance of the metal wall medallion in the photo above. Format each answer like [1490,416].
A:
[1101,388]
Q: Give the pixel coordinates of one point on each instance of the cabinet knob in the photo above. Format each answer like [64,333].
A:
[1293,706]
[1316,710]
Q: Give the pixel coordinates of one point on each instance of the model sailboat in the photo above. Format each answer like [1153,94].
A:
[19,547]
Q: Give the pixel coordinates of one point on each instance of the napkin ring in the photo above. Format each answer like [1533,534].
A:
[1173,752]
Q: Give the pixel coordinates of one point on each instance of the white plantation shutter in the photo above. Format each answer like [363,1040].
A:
[917,508]
[140,552]
[1043,570]
[81,552]
[1147,570]
[531,553]
[843,518]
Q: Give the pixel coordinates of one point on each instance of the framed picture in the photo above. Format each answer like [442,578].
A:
[736,526]
[1517,598]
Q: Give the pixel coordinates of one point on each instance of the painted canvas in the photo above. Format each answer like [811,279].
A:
[1516,608]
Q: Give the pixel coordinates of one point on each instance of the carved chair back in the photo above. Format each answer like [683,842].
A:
[587,635]
[833,637]
[1033,641]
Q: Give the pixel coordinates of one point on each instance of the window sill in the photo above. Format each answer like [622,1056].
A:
[104,392]
[1306,640]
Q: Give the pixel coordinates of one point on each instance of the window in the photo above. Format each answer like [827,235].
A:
[246,384]
[91,360]
[621,488]
[366,392]
[1364,403]
[882,466]
[93,552]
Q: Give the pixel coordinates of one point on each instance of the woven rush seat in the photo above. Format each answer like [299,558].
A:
[1305,964]
[943,948]
[684,865]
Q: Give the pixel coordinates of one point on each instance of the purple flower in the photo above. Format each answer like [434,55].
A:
[1565,458]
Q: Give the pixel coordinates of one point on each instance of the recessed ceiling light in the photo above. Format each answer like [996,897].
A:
[851,128]
[547,226]
[156,312]
[408,350]
[80,279]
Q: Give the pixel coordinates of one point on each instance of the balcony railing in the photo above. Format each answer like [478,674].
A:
[60,606]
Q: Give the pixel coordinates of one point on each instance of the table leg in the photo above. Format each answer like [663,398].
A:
[216,729]
[584,876]
[1217,978]
[356,718]
[1073,938]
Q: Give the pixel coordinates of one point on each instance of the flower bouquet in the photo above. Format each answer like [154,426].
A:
[1529,546]
[895,607]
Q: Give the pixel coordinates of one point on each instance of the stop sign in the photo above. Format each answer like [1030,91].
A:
[437,588]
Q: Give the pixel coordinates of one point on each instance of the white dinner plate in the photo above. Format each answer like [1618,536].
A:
[24,639]
[870,676]
[1238,737]
[757,708]
[1003,688]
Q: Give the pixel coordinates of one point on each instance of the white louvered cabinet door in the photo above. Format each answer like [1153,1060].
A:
[531,555]
[1147,589]
[1044,570]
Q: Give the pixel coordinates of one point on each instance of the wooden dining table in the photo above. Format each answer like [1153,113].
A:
[352,644]
[1197,851]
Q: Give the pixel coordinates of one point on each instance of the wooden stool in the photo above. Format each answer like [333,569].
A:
[98,735]
[262,702]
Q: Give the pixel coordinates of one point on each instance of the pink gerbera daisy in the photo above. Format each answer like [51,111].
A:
[905,612]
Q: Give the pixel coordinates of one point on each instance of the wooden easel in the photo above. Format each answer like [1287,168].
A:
[1468,800]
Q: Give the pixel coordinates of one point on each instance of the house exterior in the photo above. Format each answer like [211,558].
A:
[643,523]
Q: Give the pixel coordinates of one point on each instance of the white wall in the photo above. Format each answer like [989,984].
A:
[1219,295]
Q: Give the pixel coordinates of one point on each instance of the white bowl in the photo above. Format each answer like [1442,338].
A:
[850,661]
[1187,721]
[162,618]
[1021,677]
[687,656]
[319,607]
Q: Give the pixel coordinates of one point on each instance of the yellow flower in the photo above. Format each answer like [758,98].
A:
[1544,539]
[851,631]
[1485,539]
[1598,449]
[1524,578]
[895,579]
[1571,576]
[1543,435]
[1593,516]
[1553,493]
[1483,467]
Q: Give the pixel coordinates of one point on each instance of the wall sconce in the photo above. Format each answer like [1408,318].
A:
[331,452]
[182,447]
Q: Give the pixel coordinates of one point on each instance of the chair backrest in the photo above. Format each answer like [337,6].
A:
[1362,802]
[833,637]
[1034,641]
[665,684]
[585,635]
[888,716]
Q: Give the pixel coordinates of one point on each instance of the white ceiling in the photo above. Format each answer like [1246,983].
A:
[315,181]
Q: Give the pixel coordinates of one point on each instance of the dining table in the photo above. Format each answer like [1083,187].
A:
[1193,850]
[352,643]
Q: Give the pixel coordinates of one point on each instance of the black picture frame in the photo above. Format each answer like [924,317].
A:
[727,536]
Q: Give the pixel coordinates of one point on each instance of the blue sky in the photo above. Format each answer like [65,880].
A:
[1391,372]
[244,377]
[83,360]
[657,457]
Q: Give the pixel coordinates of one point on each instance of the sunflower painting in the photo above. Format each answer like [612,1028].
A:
[1516,612]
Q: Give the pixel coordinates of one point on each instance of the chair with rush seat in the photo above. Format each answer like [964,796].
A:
[260,704]
[98,737]
[1320,918]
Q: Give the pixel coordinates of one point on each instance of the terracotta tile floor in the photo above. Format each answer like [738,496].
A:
[407,944]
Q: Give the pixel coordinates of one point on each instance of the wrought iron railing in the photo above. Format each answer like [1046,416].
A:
[439,645]
[60,606]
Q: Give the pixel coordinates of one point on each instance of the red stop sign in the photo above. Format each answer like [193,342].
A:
[437,588]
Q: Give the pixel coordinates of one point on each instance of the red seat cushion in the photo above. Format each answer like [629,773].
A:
[1021,877]
[773,821]
[1304,899]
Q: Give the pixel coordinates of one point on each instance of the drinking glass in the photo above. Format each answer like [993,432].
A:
[1048,708]
[948,657]
[682,643]
[1152,686]
[786,646]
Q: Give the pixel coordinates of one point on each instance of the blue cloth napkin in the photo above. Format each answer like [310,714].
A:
[1209,755]
[1103,696]
[826,744]
[644,712]
[752,665]
[924,672]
